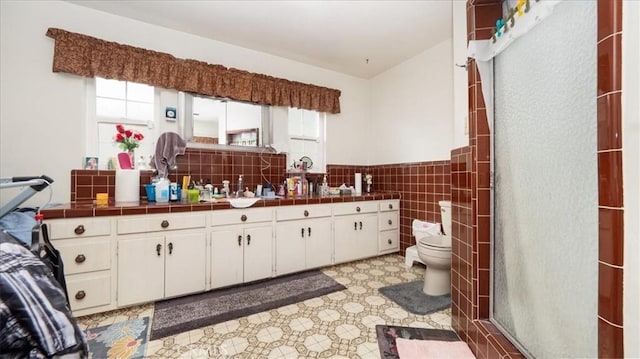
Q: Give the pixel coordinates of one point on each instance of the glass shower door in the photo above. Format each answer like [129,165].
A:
[545,247]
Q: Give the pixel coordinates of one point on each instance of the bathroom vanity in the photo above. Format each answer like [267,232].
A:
[120,256]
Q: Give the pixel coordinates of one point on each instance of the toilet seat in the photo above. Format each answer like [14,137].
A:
[440,242]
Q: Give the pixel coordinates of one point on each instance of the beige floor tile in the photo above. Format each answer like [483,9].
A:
[337,325]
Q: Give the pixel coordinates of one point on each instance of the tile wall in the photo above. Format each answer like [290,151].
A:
[610,195]
[471,200]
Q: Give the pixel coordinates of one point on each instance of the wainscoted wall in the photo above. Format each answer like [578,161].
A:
[471,200]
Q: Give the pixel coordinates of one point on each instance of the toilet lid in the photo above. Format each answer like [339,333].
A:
[440,241]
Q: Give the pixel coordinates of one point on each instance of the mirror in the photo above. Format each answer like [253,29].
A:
[219,121]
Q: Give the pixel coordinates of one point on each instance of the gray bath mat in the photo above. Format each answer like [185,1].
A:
[216,306]
[412,299]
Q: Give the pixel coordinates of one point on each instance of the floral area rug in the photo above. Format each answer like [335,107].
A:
[387,335]
[123,340]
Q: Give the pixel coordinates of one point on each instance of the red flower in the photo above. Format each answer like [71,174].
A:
[127,140]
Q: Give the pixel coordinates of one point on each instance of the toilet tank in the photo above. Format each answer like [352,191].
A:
[445,213]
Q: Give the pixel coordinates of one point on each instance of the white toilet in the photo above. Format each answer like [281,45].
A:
[434,250]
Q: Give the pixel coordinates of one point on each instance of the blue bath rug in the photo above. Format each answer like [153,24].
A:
[123,340]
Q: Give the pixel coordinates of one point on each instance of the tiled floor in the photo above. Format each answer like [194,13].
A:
[337,325]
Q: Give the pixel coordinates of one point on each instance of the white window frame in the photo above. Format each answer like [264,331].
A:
[92,141]
[319,164]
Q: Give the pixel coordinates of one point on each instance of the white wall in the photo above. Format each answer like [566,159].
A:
[412,109]
[631,173]
[42,114]
[460,78]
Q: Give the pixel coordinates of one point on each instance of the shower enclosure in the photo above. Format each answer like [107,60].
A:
[545,209]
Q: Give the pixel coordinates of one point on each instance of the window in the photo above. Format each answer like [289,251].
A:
[111,102]
[306,137]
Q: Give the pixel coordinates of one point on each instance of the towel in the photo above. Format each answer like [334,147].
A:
[168,147]
[418,349]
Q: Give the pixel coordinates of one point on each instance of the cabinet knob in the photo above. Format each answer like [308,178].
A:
[308,231]
[248,239]
[355,226]
[79,229]
[306,213]
[390,222]
[170,247]
[81,294]
[164,224]
[239,241]
[158,248]
[302,232]
[80,258]
[243,218]
[360,225]
[358,209]
[389,241]
[390,206]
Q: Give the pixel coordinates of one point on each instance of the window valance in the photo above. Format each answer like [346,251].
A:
[91,57]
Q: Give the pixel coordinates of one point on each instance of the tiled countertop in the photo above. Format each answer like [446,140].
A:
[74,209]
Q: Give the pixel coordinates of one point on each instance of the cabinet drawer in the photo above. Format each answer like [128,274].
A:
[388,241]
[160,223]
[355,208]
[302,212]
[86,255]
[389,205]
[388,220]
[89,290]
[241,216]
[79,228]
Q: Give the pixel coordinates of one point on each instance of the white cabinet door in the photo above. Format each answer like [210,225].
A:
[140,269]
[345,238]
[185,259]
[355,237]
[368,236]
[318,241]
[227,258]
[302,245]
[258,253]
[290,247]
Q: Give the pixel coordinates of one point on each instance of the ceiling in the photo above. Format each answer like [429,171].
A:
[359,38]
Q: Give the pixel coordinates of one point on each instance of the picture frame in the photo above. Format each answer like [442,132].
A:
[90,163]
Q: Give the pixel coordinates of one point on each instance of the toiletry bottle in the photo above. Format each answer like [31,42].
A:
[173,191]
[325,186]
[240,186]
[162,190]
[225,188]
